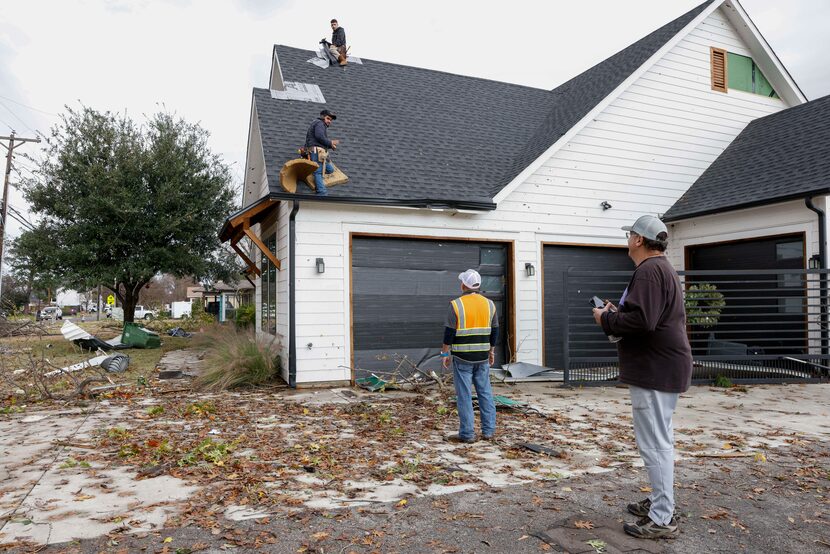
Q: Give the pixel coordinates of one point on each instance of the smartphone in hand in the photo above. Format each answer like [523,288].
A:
[596,302]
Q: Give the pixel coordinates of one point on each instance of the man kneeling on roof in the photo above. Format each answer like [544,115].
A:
[317,144]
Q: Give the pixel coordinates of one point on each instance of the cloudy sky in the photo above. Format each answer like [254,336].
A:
[200,58]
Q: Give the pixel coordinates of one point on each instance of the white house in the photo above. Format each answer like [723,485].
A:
[449,172]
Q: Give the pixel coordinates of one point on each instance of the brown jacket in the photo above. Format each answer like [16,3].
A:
[654,351]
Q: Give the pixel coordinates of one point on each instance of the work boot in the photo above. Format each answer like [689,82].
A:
[647,529]
[641,508]
[459,439]
[488,437]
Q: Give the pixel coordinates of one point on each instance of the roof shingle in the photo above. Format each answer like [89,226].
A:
[409,133]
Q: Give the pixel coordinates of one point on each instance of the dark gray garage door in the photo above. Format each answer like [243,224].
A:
[557,261]
[763,311]
[401,289]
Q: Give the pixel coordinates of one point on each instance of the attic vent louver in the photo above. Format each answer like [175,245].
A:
[299,91]
[718,57]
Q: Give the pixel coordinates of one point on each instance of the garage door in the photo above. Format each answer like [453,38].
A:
[557,261]
[401,289]
[763,311]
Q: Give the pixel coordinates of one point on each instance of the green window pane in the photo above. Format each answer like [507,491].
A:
[492,256]
[492,283]
[762,86]
[739,70]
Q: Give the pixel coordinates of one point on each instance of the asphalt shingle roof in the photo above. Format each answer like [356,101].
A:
[409,133]
[779,157]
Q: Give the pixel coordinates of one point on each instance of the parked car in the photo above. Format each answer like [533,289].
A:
[144,313]
[51,313]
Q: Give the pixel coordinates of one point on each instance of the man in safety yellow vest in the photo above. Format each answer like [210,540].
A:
[472,329]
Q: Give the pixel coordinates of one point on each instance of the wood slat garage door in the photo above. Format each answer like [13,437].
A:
[401,289]
[557,260]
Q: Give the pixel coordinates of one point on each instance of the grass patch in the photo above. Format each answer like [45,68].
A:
[215,452]
[50,350]
[236,359]
[723,382]
[72,462]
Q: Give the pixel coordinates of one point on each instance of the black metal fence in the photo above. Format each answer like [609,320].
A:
[744,326]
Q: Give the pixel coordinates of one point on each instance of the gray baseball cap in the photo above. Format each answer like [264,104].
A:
[648,226]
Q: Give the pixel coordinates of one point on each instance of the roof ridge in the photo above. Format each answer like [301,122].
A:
[439,71]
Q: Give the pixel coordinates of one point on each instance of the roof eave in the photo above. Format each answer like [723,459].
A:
[428,203]
[747,205]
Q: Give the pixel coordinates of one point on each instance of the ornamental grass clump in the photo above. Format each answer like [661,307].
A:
[234,358]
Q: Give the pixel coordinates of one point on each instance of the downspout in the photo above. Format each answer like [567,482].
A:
[822,254]
[292,328]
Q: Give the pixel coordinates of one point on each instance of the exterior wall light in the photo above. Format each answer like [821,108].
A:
[605,205]
[814,262]
[321,265]
[529,269]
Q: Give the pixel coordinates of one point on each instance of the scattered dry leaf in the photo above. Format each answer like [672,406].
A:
[583,524]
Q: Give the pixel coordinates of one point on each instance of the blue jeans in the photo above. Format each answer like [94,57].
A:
[465,376]
[318,175]
[652,411]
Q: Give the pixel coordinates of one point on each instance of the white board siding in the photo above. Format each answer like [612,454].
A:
[640,154]
[651,143]
[765,221]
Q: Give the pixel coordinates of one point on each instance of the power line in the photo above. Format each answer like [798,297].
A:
[25,224]
[17,118]
[7,124]
[25,165]
[27,106]
[9,158]
[22,220]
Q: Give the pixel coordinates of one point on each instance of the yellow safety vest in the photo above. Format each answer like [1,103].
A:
[474,313]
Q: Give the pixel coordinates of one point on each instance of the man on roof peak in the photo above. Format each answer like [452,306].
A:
[338,43]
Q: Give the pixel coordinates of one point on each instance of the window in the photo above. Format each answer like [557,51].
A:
[746,76]
[734,71]
[268,288]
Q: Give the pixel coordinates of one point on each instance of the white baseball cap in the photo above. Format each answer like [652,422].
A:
[470,278]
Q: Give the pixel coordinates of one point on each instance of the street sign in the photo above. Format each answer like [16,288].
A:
[111,300]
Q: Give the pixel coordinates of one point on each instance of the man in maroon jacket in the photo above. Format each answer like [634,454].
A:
[655,362]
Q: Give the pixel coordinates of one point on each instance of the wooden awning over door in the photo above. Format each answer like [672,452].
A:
[239,225]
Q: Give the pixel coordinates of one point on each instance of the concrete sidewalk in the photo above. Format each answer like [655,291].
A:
[57,484]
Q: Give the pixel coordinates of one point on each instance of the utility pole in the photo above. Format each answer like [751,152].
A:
[12,139]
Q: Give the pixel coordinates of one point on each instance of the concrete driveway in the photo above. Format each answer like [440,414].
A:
[86,472]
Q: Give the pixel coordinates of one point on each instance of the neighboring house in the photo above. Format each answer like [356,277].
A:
[222,299]
[449,172]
